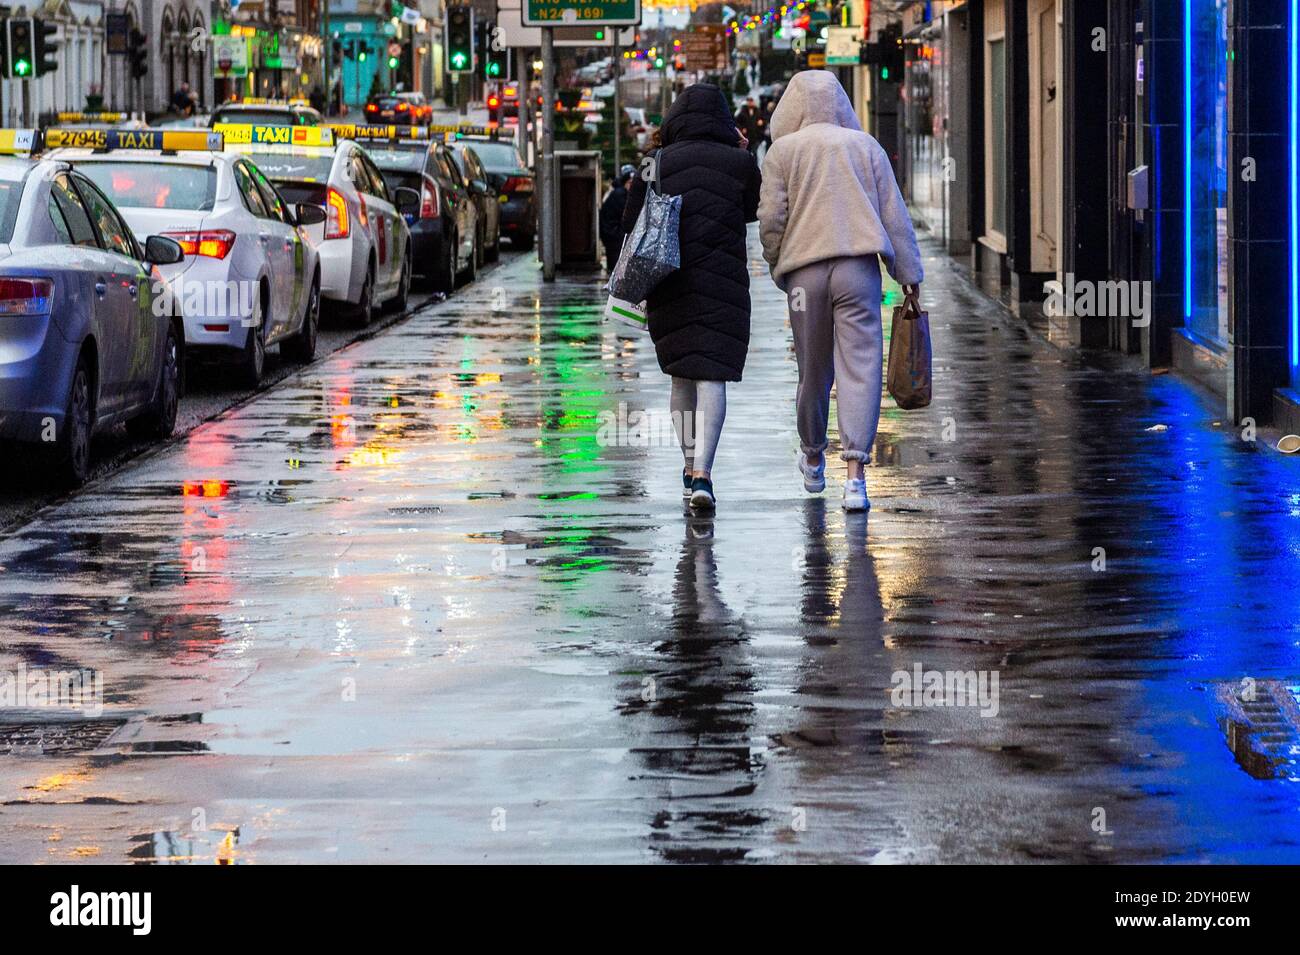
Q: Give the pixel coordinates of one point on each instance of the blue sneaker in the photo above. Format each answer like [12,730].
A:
[702,498]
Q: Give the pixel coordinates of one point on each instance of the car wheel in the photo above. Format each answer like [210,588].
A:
[523,242]
[252,360]
[365,309]
[302,347]
[444,275]
[78,423]
[160,420]
[471,267]
[398,302]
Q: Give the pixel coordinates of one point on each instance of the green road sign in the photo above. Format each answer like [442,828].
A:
[550,13]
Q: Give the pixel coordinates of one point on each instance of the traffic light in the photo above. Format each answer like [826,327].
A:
[46,52]
[494,108]
[21,58]
[492,59]
[460,39]
[137,53]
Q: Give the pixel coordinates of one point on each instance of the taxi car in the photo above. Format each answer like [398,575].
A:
[444,227]
[364,242]
[250,278]
[486,199]
[257,111]
[83,346]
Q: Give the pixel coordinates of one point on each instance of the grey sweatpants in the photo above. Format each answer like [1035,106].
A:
[835,314]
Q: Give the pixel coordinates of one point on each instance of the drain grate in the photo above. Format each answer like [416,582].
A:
[55,738]
[1261,723]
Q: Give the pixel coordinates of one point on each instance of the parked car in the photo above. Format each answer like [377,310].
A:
[237,233]
[82,347]
[513,182]
[364,242]
[444,227]
[486,200]
[257,112]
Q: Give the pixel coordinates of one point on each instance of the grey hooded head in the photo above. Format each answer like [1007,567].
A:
[813,96]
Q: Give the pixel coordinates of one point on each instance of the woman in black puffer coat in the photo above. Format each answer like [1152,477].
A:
[699,315]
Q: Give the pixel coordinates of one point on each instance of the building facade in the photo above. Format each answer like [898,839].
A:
[1123,173]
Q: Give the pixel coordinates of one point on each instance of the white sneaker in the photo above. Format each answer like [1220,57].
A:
[855,496]
[814,478]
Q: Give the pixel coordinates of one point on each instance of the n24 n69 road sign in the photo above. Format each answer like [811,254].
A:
[549,13]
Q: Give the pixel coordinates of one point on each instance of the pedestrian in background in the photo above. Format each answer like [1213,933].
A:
[830,211]
[699,315]
[750,122]
[611,216]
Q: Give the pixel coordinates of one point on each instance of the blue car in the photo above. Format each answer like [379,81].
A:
[83,344]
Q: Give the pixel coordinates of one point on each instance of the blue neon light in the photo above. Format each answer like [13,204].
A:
[1295,185]
[1187,159]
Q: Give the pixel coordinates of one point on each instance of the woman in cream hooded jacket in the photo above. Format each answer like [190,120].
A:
[829,211]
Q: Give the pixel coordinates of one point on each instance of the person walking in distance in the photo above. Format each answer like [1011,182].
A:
[611,216]
[830,211]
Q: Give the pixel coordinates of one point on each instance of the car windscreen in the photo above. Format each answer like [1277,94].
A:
[290,167]
[405,160]
[497,157]
[259,117]
[386,102]
[146,185]
[11,194]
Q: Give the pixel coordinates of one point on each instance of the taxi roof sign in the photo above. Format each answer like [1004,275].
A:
[19,142]
[249,134]
[365,131]
[107,140]
[91,117]
[268,101]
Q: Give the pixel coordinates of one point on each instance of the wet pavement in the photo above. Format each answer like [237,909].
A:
[411,605]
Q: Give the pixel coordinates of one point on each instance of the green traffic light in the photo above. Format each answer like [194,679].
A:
[22,67]
[884,72]
[361,57]
[392,62]
[494,69]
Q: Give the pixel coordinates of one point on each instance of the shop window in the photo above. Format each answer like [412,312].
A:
[1206,144]
[996,149]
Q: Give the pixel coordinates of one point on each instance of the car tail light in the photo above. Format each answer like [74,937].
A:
[518,184]
[429,199]
[336,215]
[26,296]
[493,102]
[371,108]
[211,243]
[403,107]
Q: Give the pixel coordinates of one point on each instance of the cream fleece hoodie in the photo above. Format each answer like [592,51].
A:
[828,188]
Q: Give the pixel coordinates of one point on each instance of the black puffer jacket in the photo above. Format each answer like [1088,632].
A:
[699,315]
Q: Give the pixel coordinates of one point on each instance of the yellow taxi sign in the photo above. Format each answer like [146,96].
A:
[271,101]
[91,117]
[167,140]
[19,142]
[248,134]
[367,131]
[463,129]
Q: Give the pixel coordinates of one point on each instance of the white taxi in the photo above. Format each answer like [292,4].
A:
[364,242]
[251,276]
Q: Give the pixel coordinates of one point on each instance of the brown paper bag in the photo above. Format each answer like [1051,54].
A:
[909,355]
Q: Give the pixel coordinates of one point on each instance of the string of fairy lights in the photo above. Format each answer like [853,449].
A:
[749,21]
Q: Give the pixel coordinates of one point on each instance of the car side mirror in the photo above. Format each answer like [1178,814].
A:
[479,187]
[160,250]
[407,200]
[309,214]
